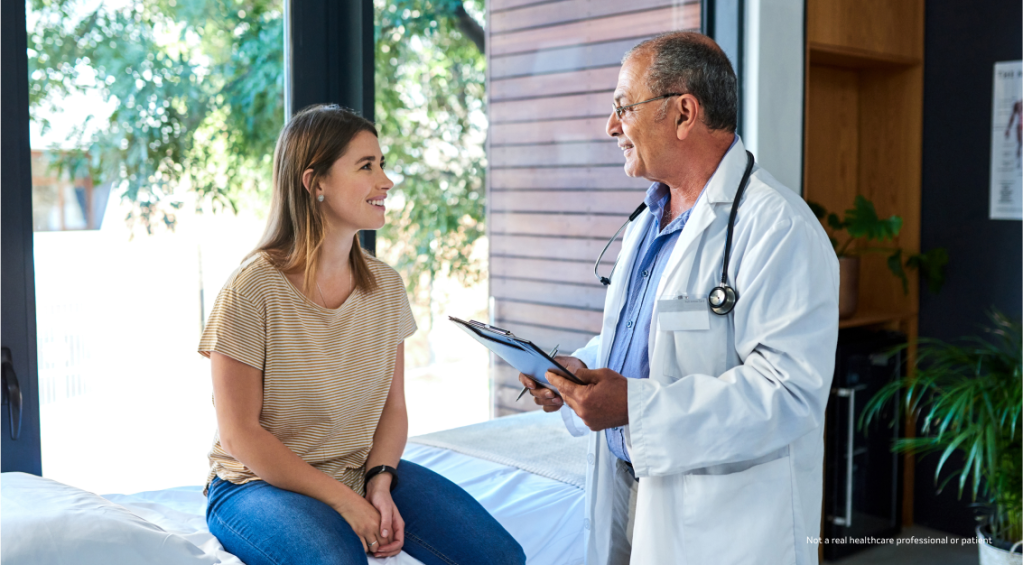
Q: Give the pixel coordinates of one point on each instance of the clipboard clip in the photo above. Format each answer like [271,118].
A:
[488,327]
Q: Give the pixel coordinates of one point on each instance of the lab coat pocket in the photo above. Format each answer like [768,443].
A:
[679,314]
[697,338]
[739,518]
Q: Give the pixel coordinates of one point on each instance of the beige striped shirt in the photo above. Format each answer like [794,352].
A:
[326,373]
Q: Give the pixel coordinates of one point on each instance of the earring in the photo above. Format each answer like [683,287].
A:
[319,198]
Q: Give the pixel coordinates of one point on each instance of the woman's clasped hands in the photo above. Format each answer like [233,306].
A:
[378,523]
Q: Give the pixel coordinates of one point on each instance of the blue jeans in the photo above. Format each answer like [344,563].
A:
[262,524]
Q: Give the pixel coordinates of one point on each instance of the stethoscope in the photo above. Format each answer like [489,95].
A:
[722,298]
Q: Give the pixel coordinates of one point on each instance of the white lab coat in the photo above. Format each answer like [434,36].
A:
[726,435]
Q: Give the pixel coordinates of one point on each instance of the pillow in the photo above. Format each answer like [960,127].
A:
[43,522]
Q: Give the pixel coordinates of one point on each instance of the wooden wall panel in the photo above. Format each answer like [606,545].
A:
[496,6]
[573,57]
[570,178]
[864,139]
[870,26]
[583,153]
[526,312]
[617,26]
[565,11]
[553,270]
[574,82]
[891,122]
[564,224]
[550,131]
[592,105]
[579,201]
[832,144]
[555,186]
[589,296]
[551,247]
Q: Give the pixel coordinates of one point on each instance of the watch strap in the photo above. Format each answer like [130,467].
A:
[382,469]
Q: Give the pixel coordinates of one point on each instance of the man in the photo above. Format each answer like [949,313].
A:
[711,423]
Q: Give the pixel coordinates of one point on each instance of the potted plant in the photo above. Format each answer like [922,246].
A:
[970,396]
[861,224]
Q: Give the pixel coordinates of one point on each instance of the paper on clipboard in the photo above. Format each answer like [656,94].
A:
[520,353]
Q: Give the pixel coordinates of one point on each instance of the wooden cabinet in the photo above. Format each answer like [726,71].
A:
[864,107]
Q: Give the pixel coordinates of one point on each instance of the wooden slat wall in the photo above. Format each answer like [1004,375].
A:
[555,189]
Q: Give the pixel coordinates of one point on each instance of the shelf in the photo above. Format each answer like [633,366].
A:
[863,319]
[850,57]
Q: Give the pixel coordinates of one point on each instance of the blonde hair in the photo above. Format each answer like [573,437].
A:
[313,139]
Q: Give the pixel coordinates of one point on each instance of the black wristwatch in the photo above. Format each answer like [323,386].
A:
[382,469]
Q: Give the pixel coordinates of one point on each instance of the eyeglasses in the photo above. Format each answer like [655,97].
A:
[619,110]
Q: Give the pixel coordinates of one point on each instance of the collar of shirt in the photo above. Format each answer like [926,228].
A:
[659,195]
[657,198]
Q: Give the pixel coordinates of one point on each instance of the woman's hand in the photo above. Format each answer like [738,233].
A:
[364,520]
[392,527]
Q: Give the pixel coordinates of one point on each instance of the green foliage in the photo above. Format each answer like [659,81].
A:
[862,224]
[862,221]
[198,87]
[971,397]
[895,266]
[931,266]
[430,109]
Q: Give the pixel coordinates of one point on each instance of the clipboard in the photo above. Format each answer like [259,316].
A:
[520,353]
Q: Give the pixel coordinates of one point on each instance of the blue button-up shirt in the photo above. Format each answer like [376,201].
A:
[630,350]
[629,355]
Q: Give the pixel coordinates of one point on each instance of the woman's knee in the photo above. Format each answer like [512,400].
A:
[266,525]
[434,507]
[509,551]
[500,548]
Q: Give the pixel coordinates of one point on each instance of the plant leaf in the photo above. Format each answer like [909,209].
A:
[965,473]
[895,265]
[948,451]
[862,221]
[834,223]
[819,211]
[931,266]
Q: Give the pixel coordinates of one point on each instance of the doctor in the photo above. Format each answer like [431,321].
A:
[709,424]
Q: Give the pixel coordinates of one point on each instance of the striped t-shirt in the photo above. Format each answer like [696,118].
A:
[326,373]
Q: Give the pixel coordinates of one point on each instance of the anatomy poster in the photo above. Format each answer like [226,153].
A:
[1007,142]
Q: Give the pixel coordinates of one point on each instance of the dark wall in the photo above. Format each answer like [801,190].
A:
[17,286]
[962,43]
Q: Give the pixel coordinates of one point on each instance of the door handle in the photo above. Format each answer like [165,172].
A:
[11,394]
[846,520]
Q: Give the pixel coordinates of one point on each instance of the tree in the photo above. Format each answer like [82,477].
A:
[198,90]
[195,86]
[430,95]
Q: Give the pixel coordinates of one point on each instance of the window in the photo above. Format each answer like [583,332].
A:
[152,125]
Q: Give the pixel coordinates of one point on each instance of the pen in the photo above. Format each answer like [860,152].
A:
[551,355]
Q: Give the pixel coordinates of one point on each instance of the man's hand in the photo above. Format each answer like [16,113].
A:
[603,402]
[544,396]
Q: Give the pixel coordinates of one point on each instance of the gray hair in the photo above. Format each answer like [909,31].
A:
[691,63]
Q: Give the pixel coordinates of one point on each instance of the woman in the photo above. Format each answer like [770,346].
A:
[306,343]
